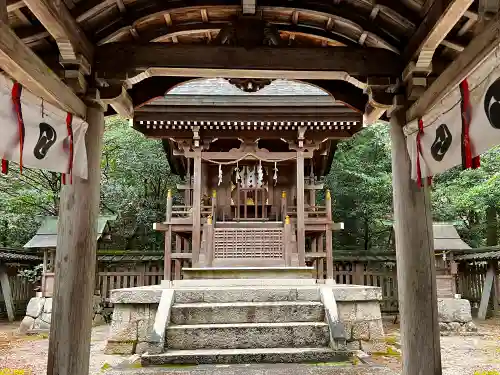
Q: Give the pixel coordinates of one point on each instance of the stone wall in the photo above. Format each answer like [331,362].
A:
[131,326]
[455,316]
[39,314]
[362,325]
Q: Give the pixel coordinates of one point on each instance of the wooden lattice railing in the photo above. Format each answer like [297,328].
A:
[248,243]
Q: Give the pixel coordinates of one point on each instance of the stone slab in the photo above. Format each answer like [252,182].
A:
[454,310]
[35,307]
[248,312]
[150,294]
[188,283]
[248,273]
[260,369]
[248,335]
[343,292]
[227,356]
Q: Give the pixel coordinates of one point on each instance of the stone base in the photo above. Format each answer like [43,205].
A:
[351,319]
[248,273]
[455,317]
[39,315]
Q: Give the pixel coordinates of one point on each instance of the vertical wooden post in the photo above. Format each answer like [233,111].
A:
[415,262]
[329,238]
[167,259]
[196,208]
[168,213]
[287,246]
[177,262]
[69,345]
[214,205]
[209,242]
[321,261]
[283,205]
[301,225]
[44,269]
[7,294]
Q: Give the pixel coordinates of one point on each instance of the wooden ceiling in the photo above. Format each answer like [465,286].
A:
[423,37]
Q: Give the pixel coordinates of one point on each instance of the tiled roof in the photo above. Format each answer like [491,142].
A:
[220,86]
[8,255]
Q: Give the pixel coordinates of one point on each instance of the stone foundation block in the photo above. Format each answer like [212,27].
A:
[35,307]
[149,347]
[47,306]
[368,311]
[27,323]
[46,317]
[454,310]
[122,312]
[120,347]
[40,324]
[353,345]
[346,311]
[144,328]
[376,330]
[123,331]
[374,346]
[361,331]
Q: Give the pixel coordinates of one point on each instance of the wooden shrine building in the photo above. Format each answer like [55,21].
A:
[252,166]
[386,59]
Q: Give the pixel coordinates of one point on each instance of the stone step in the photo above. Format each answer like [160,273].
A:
[246,294]
[186,283]
[247,335]
[248,312]
[259,355]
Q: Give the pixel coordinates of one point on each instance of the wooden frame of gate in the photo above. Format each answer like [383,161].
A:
[383,58]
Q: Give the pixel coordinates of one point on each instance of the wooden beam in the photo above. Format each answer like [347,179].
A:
[13,5]
[301,226]
[119,99]
[487,291]
[440,19]
[4,17]
[119,61]
[196,239]
[6,292]
[21,63]
[416,271]
[238,154]
[477,50]
[56,18]
[70,331]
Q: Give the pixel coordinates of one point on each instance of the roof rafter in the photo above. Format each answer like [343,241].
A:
[477,50]
[57,19]
[439,20]
[21,63]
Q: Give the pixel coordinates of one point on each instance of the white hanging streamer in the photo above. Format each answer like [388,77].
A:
[220,175]
[275,176]
[260,174]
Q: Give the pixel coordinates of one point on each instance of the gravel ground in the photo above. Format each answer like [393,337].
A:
[460,355]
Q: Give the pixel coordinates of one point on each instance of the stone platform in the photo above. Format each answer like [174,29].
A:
[224,321]
[249,273]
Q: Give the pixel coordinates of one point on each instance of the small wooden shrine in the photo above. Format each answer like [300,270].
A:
[251,168]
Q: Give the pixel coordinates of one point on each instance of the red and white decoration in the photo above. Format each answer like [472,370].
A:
[464,125]
[37,134]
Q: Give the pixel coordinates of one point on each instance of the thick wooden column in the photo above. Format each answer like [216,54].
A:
[301,225]
[329,237]
[415,262]
[196,207]
[69,346]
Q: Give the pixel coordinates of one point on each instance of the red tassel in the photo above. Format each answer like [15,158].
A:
[467,160]
[69,121]
[63,179]
[5,166]
[16,100]
[419,151]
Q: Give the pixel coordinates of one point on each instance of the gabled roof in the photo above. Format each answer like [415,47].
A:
[8,255]
[446,237]
[46,236]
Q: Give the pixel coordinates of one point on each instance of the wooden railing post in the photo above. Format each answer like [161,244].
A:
[209,242]
[329,239]
[214,205]
[283,205]
[168,213]
[287,241]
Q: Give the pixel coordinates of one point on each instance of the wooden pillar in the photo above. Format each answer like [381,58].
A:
[4,16]
[287,242]
[283,205]
[177,262]
[321,261]
[168,213]
[329,237]
[415,262]
[209,241]
[301,226]
[69,345]
[196,207]
[6,292]
[167,258]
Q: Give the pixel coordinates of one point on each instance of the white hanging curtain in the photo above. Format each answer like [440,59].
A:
[48,143]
